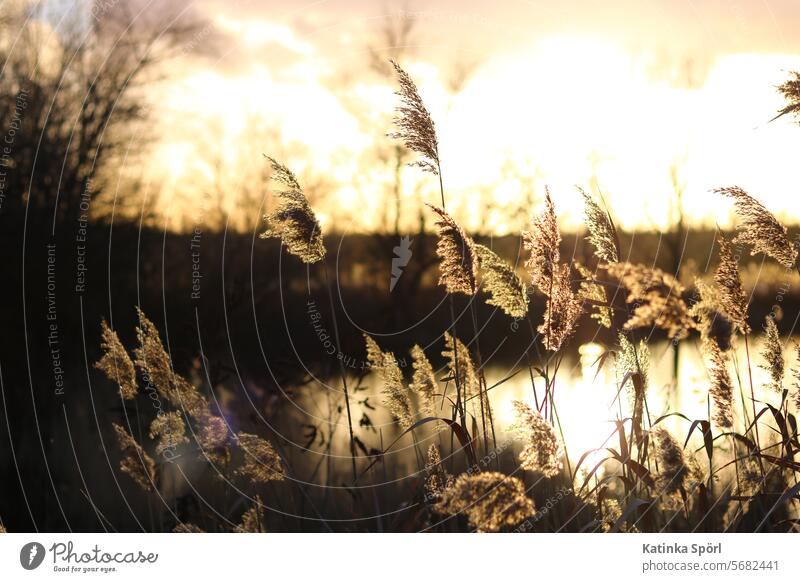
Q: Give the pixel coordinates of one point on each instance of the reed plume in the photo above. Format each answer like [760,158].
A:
[293,221]
[712,320]
[632,360]
[395,394]
[213,440]
[721,389]
[564,308]
[729,285]
[437,479]
[760,229]
[772,352]
[491,501]
[156,366]
[170,430]
[498,278]
[423,381]
[136,463]
[593,293]
[254,519]
[187,528]
[543,240]
[415,127]
[458,259]
[116,364]
[602,233]
[672,465]
[460,366]
[790,90]
[657,297]
[543,449]
[261,463]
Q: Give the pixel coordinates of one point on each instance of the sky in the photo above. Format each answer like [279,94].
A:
[631,99]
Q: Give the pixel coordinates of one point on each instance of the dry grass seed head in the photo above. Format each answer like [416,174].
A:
[602,233]
[261,463]
[760,229]
[254,519]
[594,293]
[672,465]
[170,430]
[543,449]
[498,278]
[564,308]
[293,221]
[491,501]
[136,463]
[729,284]
[721,389]
[437,479]
[423,381]
[116,364]
[772,352]
[395,394]
[415,127]
[543,240]
[458,259]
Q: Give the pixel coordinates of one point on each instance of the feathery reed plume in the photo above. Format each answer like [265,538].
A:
[543,449]
[170,430]
[415,127]
[396,397]
[437,479]
[602,233]
[213,440]
[633,360]
[712,323]
[721,390]
[772,353]
[294,222]
[460,365]
[760,229]
[796,376]
[594,293]
[261,463]
[563,310]
[116,364]
[543,240]
[791,92]
[498,278]
[672,465]
[253,520]
[729,284]
[156,366]
[423,382]
[491,501]
[458,260]
[658,299]
[187,528]
[135,462]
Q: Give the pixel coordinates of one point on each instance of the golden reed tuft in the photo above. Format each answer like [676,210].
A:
[721,389]
[395,394]
[135,462]
[602,233]
[543,449]
[261,463]
[294,222]
[498,278]
[772,352]
[170,430]
[423,381]
[458,259]
[490,501]
[760,229]
[116,364]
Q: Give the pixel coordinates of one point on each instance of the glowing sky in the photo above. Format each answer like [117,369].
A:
[626,94]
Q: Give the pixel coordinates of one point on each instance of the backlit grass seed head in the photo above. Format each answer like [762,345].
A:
[791,92]
[672,466]
[170,430]
[760,229]
[721,389]
[543,449]
[254,519]
[729,284]
[437,479]
[491,501]
[415,127]
[156,365]
[261,463]
[395,394]
[423,382]
[116,364]
[136,463]
[711,320]
[602,233]
[631,360]
[213,440]
[563,310]
[293,221]
[460,365]
[772,352]
[543,240]
[592,292]
[499,279]
[458,259]
[658,298]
